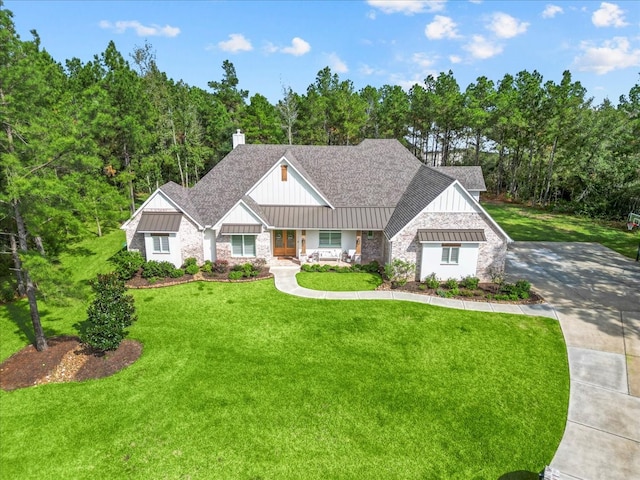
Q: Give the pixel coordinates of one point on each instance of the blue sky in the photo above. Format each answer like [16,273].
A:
[376,42]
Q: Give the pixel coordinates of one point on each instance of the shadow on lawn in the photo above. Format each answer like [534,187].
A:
[20,315]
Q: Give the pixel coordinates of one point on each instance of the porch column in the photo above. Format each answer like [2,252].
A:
[358,242]
[303,242]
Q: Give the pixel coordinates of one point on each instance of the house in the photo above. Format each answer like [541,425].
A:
[372,201]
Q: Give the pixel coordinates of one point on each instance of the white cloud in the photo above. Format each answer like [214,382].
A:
[336,64]
[371,14]
[408,7]
[455,59]
[551,11]
[612,55]
[141,30]
[481,48]
[422,60]
[298,47]
[236,43]
[608,15]
[441,27]
[506,26]
[270,48]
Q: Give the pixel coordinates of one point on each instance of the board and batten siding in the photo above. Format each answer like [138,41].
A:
[451,200]
[242,215]
[272,190]
[160,203]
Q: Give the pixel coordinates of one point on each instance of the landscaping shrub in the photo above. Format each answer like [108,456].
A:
[153,268]
[432,281]
[176,273]
[192,269]
[372,267]
[220,266]
[470,282]
[110,313]
[451,284]
[127,263]
[207,267]
[399,271]
[236,274]
[189,261]
[306,267]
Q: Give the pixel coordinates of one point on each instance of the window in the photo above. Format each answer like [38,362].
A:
[243,245]
[370,235]
[283,173]
[160,243]
[450,254]
[330,239]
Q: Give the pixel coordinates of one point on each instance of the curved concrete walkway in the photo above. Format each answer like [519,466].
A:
[595,294]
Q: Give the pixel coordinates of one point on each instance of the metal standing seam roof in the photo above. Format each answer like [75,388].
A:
[158,222]
[341,218]
[451,235]
[240,228]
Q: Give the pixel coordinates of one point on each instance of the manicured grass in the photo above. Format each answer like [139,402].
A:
[339,282]
[242,381]
[81,264]
[531,224]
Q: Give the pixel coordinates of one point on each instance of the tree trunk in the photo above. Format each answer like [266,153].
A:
[17,263]
[41,341]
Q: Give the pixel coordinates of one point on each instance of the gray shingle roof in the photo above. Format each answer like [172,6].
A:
[425,186]
[470,177]
[374,185]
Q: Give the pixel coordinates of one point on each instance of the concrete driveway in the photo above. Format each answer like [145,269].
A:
[596,294]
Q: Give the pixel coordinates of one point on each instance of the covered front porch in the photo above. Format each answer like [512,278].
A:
[315,245]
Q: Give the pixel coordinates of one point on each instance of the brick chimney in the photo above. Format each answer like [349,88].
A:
[238,138]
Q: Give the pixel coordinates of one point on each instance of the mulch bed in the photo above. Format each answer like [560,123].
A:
[66,360]
[479,295]
[138,282]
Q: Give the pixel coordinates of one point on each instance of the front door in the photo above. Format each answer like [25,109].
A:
[284,243]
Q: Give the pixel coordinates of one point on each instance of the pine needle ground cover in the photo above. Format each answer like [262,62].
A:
[530,224]
[240,381]
[339,282]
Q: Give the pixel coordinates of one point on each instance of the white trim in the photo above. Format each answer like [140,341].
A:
[168,199]
[473,201]
[275,166]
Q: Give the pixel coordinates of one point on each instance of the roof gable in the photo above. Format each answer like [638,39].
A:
[296,189]
[470,177]
[424,188]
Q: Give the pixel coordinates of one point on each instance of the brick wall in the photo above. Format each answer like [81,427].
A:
[491,254]
[373,249]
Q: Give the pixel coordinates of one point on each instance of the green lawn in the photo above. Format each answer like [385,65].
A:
[339,282]
[531,224]
[242,381]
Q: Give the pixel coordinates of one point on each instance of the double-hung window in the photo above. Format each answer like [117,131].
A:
[330,239]
[160,243]
[450,254]
[243,245]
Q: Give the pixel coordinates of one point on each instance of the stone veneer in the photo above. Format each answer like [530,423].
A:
[491,254]
[263,248]
[373,249]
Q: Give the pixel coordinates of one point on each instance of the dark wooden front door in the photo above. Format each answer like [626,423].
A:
[284,243]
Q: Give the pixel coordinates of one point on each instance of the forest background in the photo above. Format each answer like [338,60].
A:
[82,144]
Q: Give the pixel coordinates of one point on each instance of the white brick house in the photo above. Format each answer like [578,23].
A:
[372,201]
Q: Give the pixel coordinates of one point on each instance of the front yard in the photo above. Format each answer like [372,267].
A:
[241,381]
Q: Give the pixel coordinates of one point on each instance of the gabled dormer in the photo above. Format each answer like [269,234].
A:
[286,183]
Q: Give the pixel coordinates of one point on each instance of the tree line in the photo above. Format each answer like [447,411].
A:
[83,143]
